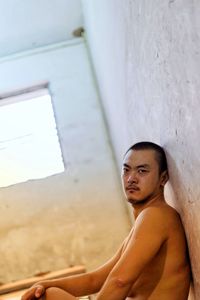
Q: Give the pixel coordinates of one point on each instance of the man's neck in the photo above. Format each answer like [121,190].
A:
[155,200]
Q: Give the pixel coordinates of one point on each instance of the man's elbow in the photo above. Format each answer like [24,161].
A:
[121,282]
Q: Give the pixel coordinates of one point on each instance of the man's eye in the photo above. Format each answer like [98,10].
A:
[142,171]
[125,170]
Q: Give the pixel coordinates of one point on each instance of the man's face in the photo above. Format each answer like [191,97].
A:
[140,176]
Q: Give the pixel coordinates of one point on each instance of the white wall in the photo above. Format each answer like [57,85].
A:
[30,24]
[64,219]
[146,56]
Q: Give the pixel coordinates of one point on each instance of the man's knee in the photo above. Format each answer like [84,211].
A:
[56,293]
[51,291]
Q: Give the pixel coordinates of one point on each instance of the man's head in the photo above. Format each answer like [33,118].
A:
[159,153]
[144,172]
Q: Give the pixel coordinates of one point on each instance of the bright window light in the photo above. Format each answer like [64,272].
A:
[29,144]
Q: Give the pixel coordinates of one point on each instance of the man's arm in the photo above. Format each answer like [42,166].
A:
[77,285]
[149,234]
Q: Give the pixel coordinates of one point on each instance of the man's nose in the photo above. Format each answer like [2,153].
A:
[132,178]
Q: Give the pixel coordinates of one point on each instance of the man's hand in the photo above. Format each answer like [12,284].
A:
[35,292]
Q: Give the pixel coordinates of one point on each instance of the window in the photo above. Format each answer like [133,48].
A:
[29,144]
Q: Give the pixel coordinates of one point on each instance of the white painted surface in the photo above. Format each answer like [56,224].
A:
[64,219]
[30,24]
[147,61]
[107,41]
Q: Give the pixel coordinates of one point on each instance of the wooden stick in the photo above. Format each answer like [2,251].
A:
[26,283]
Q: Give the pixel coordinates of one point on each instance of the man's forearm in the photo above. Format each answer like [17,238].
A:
[77,285]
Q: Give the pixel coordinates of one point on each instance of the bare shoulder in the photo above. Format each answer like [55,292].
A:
[163,210]
[159,211]
[163,216]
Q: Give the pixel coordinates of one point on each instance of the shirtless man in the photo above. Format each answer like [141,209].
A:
[152,262]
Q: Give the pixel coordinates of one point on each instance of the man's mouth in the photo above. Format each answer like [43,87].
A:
[132,188]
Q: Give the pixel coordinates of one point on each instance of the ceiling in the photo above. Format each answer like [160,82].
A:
[28,24]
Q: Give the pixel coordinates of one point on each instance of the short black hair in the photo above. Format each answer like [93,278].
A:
[160,153]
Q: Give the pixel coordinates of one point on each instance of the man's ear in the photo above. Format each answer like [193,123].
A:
[164,178]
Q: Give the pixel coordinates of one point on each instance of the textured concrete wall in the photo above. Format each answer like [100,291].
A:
[147,60]
[63,219]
